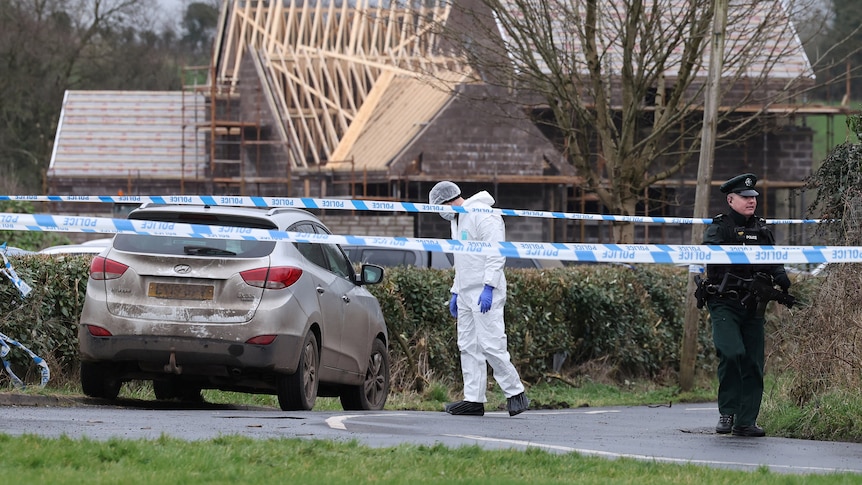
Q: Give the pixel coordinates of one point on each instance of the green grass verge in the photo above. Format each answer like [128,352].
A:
[832,416]
[234,459]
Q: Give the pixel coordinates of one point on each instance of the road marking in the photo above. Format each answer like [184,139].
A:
[711,408]
[661,459]
[551,412]
[337,422]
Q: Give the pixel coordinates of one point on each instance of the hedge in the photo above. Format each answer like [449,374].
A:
[46,321]
[630,319]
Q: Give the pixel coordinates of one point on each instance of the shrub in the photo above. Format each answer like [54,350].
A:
[827,335]
[46,321]
[629,319]
[559,322]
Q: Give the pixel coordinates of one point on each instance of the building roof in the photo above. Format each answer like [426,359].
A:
[761,39]
[387,123]
[129,134]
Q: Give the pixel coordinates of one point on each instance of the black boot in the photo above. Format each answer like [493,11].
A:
[749,430]
[517,404]
[465,408]
[725,424]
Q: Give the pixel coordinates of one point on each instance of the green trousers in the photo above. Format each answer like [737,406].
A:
[738,335]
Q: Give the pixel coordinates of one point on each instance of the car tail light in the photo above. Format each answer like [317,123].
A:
[275,278]
[98,331]
[106,269]
[261,340]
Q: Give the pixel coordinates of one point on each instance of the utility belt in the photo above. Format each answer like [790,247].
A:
[727,284]
[747,291]
[728,290]
[715,291]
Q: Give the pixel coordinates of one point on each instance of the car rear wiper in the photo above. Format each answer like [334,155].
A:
[206,250]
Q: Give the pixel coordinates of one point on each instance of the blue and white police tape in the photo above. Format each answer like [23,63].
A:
[620,253]
[5,342]
[22,286]
[362,205]
[44,372]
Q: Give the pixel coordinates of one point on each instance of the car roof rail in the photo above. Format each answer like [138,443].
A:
[278,210]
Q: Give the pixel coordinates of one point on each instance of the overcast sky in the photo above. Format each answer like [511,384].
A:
[180,5]
[174,7]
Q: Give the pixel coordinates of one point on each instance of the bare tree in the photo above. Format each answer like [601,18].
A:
[620,82]
[836,50]
[47,47]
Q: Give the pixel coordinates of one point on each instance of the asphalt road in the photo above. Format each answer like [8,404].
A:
[680,433]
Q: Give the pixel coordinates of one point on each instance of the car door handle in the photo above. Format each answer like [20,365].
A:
[321,290]
[345,298]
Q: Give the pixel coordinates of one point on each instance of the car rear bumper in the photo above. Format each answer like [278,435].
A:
[191,356]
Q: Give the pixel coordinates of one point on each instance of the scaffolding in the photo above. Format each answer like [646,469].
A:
[242,153]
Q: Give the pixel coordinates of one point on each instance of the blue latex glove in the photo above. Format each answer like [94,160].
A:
[486,298]
[453,305]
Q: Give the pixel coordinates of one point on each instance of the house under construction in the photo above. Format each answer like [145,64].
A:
[360,100]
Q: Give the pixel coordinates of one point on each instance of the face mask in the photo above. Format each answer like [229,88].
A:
[449,216]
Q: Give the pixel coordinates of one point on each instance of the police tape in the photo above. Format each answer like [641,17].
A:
[5,342]
[610,253]
[44,371]
[363,205]
[7,270]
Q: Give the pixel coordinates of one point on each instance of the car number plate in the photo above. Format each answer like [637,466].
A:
[180,292]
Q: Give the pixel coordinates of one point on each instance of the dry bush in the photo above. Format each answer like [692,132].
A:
[823,340]
[412,373]
[827,336]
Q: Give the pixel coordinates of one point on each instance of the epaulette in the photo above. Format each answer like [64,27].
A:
[718,217]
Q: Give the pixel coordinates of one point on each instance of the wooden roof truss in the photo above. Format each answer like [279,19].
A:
[322,58]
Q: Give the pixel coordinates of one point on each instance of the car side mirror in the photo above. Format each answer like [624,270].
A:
[370,274]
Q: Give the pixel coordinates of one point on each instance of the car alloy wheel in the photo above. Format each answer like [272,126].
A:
[372,393]
[298,391]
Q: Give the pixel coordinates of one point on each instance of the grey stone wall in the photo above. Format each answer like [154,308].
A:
[389,225]
[429,225]
[479,134]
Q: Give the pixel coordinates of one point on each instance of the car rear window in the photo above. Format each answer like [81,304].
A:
[193,246]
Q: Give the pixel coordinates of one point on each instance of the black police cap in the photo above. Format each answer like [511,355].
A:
[741,184]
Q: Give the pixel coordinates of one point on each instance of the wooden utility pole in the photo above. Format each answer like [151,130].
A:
[688,356]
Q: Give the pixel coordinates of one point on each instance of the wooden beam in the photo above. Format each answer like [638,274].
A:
[368,107]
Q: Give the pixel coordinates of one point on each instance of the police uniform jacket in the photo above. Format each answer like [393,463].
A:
[735,229]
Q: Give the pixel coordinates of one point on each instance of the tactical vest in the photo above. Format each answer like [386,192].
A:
[754,233]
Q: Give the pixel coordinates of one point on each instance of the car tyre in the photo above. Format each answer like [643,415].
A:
[372,393]
[165,389]
[298,391]
[100,380]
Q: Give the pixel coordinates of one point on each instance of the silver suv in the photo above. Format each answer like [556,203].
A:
[291,319]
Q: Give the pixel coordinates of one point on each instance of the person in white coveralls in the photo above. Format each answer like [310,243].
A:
[477,301]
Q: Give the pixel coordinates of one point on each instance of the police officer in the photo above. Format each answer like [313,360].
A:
[737,318]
